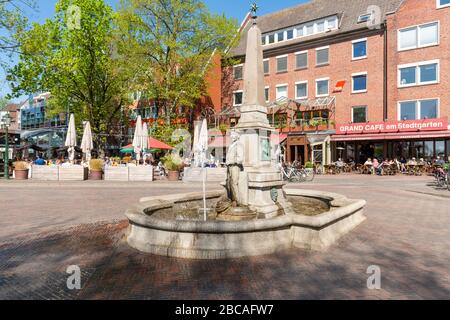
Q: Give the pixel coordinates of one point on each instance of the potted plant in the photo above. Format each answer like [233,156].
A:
[21,170]
[309,165]
[223,128]
[96,169]
[173,164]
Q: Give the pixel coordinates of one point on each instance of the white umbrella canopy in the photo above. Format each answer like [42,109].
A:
[71,138]
[137,139]
[86,143]
[144,144]
[197,126]
[203,141]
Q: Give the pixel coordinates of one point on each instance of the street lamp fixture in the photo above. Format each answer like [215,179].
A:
[6,123]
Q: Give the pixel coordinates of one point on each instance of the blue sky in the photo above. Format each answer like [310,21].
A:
[231,8]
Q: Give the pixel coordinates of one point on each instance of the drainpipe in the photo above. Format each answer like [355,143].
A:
[385,70]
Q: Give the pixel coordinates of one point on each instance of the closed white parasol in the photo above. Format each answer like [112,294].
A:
[202,146]
[71,138]
[137,139]
[86,142]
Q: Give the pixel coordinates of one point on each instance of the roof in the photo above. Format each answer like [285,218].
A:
[12,107]
[348,12]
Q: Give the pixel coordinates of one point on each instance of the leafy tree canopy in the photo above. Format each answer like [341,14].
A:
[171,42]
[70,57]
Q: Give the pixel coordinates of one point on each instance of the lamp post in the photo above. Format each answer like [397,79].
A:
[6,122]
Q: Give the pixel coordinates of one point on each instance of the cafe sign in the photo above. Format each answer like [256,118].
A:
[393,127]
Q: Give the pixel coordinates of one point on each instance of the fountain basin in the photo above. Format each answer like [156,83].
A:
[156,227]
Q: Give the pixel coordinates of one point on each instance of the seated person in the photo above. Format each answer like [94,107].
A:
[375,165]
[368,162]
[439,162]
[421,162]
[39,161]
[412,162]
[340,164]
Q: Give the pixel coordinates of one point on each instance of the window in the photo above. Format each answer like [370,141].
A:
[322,56]
[282,64]
[266,93]
[280,36]
[301,60]
[320,26]
[266,66]
[419,109]
[419,36]
[364,17]
[238,98]
[408,110]
[282,91]
[238,72]
[301,90]
[442,3]
[322,87]
[359,49]
[429,109]
[359,114]
[290,34]
[332,23]
[310,28]
[421,73]
[359,82]
[408,76]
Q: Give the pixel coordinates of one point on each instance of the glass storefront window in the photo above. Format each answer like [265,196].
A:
[379,150]
[440,148]
[429,150]
[448,150]
[417,149]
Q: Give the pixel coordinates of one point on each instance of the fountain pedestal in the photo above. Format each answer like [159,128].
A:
[261,187]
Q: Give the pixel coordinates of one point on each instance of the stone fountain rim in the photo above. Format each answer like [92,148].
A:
[341,207]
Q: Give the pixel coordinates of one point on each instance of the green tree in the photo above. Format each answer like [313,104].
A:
[172,42]
[3,103]
[12,20]
[70,56]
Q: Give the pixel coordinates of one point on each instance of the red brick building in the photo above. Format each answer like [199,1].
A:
[348,79]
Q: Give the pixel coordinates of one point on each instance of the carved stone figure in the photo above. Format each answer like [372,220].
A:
[235,159]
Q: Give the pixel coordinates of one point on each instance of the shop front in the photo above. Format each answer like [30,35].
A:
[309,147]
[427,139]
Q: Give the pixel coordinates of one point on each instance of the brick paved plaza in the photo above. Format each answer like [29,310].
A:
[45,227]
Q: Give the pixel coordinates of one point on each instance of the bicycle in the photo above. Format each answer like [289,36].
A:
[442,178]
[289,173]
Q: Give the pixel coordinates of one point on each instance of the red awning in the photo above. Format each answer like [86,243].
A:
[153,144]
[392,136]
[156,144]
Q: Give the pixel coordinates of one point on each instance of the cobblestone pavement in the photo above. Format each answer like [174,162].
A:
[406,235]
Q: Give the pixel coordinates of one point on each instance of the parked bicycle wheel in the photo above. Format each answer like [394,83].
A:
[309,174]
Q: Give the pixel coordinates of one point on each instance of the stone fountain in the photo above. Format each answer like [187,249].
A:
[254,215]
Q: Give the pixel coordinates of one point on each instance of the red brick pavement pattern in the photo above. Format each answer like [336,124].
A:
[406,234]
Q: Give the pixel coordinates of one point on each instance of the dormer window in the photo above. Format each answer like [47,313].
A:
[364,17]
[307,29]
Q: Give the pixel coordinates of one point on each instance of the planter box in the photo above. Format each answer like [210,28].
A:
[141,173]
[212,174]
[116,174]
[45,173]
[73,173]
